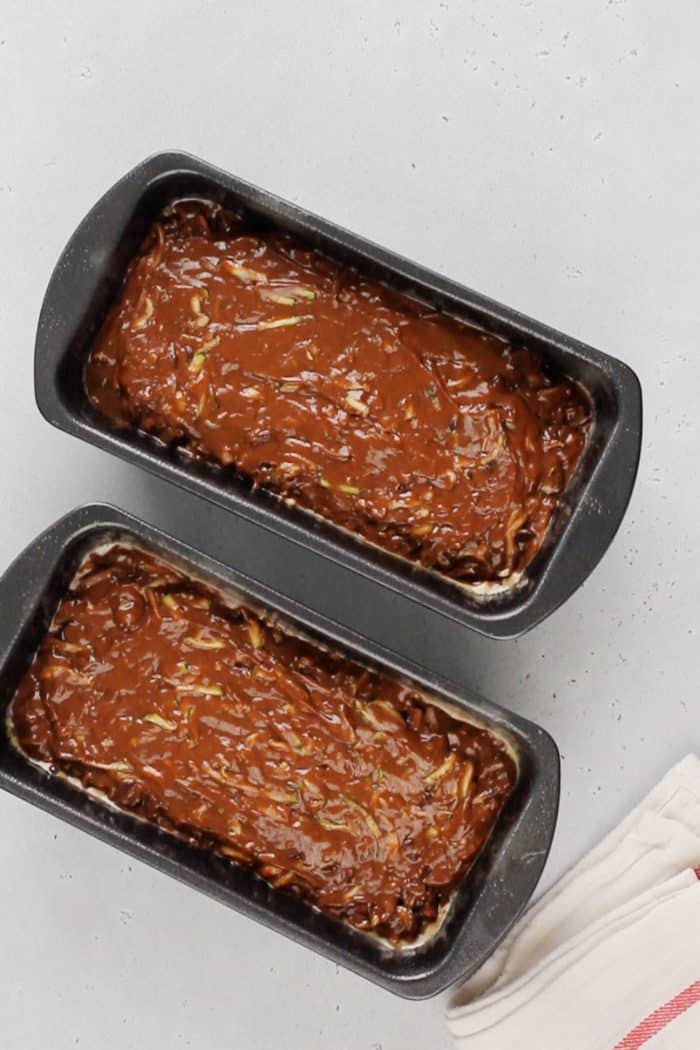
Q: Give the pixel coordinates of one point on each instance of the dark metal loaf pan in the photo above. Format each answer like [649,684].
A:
[87,279]
[492,896]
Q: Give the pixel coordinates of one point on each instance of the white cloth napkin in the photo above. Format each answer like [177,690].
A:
[609,958]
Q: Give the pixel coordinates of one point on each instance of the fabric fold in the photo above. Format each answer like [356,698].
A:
[607,946]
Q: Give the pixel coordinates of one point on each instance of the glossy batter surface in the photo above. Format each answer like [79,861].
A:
[425,436]
[337,782]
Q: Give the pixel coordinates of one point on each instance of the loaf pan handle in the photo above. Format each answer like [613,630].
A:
[511,885]
[75,283]
[596,517]
[23,585]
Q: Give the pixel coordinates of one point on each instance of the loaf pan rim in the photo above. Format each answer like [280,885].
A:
[585,536]
[41,559]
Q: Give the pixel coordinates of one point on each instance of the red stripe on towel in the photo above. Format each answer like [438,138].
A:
[660,1018]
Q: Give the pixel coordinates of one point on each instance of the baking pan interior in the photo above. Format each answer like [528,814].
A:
[413,972]
[119,246]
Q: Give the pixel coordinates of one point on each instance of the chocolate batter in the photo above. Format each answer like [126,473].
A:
[424,435]
[336,782]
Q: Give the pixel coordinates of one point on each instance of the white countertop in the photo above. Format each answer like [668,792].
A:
[543,153]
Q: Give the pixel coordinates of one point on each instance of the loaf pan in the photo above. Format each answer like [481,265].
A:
[491,897]
[88,277]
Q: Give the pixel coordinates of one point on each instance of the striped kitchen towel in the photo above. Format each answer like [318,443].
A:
[609,959]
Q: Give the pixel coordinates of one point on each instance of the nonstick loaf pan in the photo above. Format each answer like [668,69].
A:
[87,279]
[491,897]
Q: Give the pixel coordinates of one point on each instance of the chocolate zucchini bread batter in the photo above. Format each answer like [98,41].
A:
[426,436]
[334,781]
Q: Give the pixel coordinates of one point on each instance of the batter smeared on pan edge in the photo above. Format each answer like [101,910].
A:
[423,435]
[332,781]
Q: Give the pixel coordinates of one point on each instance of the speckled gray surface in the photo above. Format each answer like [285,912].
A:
[543,153]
